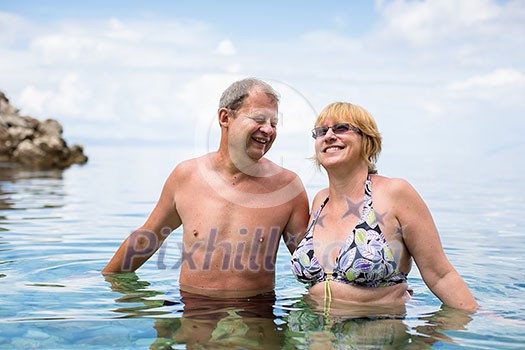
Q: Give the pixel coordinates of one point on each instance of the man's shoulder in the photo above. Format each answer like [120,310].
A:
[186,168]
[280,172]
[190,164]
[284,180]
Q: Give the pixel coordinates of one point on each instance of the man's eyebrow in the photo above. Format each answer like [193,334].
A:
[260,115]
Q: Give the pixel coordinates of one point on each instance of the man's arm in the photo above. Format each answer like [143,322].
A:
[295,229]
[138,247]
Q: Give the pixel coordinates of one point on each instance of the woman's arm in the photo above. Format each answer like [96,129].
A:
[422,241]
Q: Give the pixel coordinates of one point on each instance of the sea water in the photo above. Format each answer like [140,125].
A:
[58,229]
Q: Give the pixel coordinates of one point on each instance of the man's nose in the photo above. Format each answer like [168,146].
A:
[267,127]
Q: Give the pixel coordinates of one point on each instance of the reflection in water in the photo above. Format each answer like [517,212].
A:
[13,173]
[446,319]
[215,322]
[378,331]
[203,322]
[309,326]
[200,321]
[196,320]
[24,189]
[134,291]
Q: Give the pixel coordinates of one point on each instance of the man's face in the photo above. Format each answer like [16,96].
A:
[254,127]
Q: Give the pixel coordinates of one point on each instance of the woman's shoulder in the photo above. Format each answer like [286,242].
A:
[322,194]
[319,198]
[391,185]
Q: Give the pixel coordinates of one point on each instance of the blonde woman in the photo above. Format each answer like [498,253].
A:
[366,228]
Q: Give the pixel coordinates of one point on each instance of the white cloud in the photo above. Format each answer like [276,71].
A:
[325,40]
[35,100]
[417,63]
[226,48]
[137,44]
[434,110]
[498,78]
[422,22]
[128,72]
[117,30]
[502,89]
[68,99]
[66,47]
[198,98]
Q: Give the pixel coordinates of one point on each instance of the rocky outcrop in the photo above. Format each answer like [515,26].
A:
[34,143]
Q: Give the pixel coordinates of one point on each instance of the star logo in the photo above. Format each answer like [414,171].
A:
[380,217]
[400,230]
[320,220]
[353,208]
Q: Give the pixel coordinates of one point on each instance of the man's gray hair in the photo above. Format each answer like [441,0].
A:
[235,94]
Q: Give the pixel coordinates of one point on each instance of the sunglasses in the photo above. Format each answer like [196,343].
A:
[340,128]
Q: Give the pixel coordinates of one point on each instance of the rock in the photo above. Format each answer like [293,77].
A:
[34,143]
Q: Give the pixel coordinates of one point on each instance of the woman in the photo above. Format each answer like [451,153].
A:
[366,229]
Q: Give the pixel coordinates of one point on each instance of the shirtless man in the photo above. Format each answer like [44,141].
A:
[234,205]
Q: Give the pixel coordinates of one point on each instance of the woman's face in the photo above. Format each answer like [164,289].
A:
[337,143]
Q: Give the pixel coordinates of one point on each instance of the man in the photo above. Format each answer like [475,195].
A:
[234,205]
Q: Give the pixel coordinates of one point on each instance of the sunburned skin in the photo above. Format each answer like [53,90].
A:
[376,255]
[236,244]
[331,223]
[234,205]
[230,242]
[356,295]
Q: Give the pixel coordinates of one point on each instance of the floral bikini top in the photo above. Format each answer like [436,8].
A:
[364,259]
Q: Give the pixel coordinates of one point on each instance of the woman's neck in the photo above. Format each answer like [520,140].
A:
[347,184]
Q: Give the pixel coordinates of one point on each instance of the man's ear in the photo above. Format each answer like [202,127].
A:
[224,117]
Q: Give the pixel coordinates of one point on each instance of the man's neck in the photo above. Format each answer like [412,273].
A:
[239,166]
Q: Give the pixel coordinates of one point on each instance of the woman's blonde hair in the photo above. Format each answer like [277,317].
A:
[344,112]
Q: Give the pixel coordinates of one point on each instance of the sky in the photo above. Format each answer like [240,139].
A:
[443,78]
